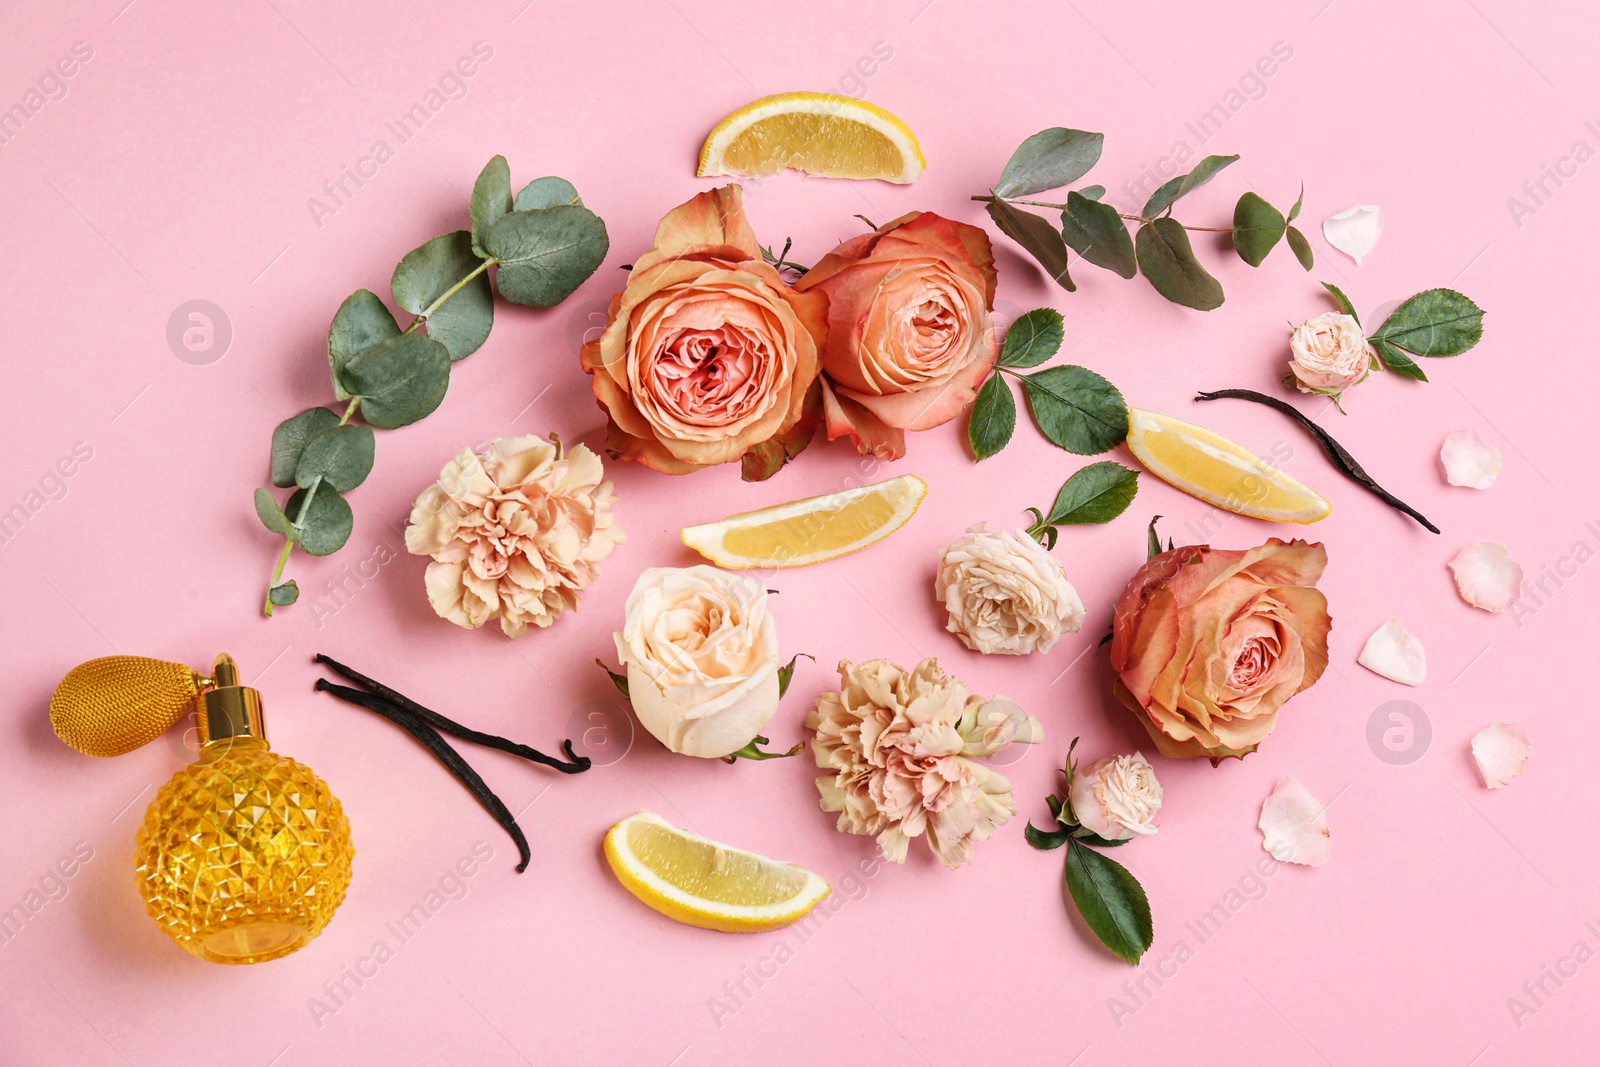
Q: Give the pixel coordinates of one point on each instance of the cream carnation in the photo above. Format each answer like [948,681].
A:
[1117,797]
[516,532]
[1330,354]
[1005,593]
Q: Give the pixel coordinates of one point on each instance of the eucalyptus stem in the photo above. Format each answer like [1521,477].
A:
[1121,214]
[447,294]
[277,573]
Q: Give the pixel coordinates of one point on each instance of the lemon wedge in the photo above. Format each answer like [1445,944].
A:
[1214,469]
[809,530]
[820,133]
[702,883]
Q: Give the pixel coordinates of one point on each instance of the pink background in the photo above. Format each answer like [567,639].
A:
[178,166]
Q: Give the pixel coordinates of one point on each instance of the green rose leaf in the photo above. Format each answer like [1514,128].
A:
[1096,494]
[272,516]
[618,680]
[289,440]
[323,525]
[1088,837]
[427,273]
[1045,839]
[1033,338]
[1077,409]
[546,254]
[1397,360]
[1257,227]
[1111,902]
[360,323]
[1438,322]
[1048,160]
[1092,192]
[341,457]
[284,595]
[1168,261]
[1152,539]
[546,192]
[1299,246]
[992,419]
[1038,238]
[786,673]
[1341,301]
[1096,232]
[491,198]
[400,381]
[1184,184]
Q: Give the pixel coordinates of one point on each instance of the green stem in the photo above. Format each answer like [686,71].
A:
[448,293]
[1121,215]
[277,573]
[355,401]
[754,751]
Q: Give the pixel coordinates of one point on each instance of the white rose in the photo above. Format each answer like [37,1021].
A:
[701,654]
[1330,354]
[1005,593]
[1117,797]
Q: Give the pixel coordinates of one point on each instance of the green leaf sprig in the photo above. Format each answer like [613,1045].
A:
[543,244]
[1110,899]
[1435,322]
[1075,408]
[1092,496]
[1098,232]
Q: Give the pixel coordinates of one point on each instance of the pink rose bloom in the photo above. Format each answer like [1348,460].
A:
[909,333]
[1330,354]
[516,533]
[1117,797]
[901,748]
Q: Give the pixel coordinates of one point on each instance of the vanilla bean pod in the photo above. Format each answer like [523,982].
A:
[442,751]
[1337,453]
[450,726]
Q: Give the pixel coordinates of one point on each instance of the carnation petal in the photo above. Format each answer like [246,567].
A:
[1294,824]
[1355,230]
[1396,653]
[1502,750]
[1469,460]
[1486,575]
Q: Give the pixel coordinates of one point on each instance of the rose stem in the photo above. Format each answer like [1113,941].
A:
[1337,453]
[450,726]
[430,739]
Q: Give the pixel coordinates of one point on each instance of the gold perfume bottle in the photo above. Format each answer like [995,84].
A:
[244,855]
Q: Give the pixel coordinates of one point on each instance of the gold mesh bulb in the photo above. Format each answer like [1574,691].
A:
[114,704]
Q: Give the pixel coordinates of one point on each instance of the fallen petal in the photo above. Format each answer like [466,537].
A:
[1396,653]
[1486,575]
[1354,230]
[1501,751]
[1294,825]
[1469,460]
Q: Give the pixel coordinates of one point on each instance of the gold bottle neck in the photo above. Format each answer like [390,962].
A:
[228,711]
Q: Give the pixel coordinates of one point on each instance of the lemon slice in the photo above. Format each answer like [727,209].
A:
[820,133]
[702,883]
[809,530]
[1211,467]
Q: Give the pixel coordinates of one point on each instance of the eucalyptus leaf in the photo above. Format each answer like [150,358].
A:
[340,457]
[360,323]
[1169,263]
[325,525]
[400,381]
[1033,338]
[546,192]
[290,438]
[1111,901]
[1096,494]
[993,418]
[546,254]
[1299,246]
[427,273]
[1397,360]
[272,516]
[1341,301]
[1038,238]
[1077,409]
[1097,233]
[1257,228]
[1048,160]
[1184,184]
[491,198]
[1045,839]
[1092,192]
[1437,322]
[285,594]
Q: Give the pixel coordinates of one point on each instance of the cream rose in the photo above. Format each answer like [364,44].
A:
[1005,593]
[1330,354]
[701,655]
[1117,797]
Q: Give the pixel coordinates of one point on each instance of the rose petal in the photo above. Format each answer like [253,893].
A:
[1354,230]
[1294,825]
[1501,750]
[1395,653]
[1469,460]
[1486,576]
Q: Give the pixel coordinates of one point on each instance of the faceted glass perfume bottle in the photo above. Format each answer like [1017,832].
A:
[245,854]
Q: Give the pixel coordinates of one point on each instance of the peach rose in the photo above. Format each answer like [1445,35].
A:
[1330,354]
[1117,797]
[707,354]
[1209,643]
[1004,594]
[909,334]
